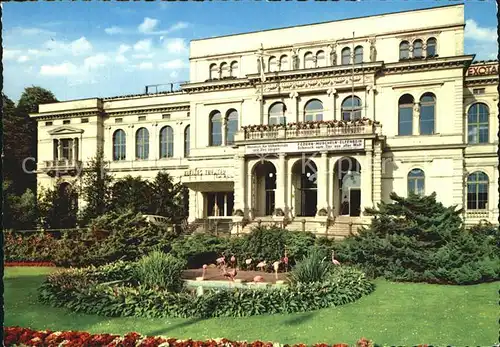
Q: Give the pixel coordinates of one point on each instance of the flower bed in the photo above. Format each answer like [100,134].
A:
[29,263]
[111,291]
[16,336]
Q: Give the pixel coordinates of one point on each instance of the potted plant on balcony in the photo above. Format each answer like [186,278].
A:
[279,215]
[322,214]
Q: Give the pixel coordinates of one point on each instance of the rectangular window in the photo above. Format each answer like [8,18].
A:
[118,120]
[189,114]
[405,121]
[85,120]
[47,124]
[165,116]
[478,91]
[67,149]
[66,121]
[141,118]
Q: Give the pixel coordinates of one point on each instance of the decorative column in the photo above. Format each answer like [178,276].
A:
[193,205]
[239,186]
[281,184]
[377,173]
[130,141]
[371,89]
[75,149]
[322,177]
[59,149]
[367,186]
[223,130]
[416,119]
[332,93]
[154,142]
[295,111]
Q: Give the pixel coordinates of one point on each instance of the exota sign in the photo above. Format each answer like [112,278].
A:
[482,70]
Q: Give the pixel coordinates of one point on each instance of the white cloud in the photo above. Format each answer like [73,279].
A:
[80,46]
[121,59]
[173,64]
[11,54]
[176,46]
[178,26]
[174,74]
[123,49]
[95,61]
[114,30]
[64,69]
[23,59]
[474,32]
[143,45]
[20,31]
[145,66]
[143,56]
[148,25]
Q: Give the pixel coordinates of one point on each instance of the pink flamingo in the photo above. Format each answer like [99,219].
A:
[248,262]
[229,274]
[276,266]
[334,261]
[262,265]
[233,260]
[285,261]
[204,271]
[221,261]
[258,279]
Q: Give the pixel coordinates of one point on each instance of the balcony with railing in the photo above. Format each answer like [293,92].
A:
[477,214]
[62,167]
[360,127]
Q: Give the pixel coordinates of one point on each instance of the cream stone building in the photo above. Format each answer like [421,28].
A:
[306,125]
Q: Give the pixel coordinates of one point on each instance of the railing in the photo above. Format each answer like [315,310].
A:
[290,133]
[477,214]
[64,166]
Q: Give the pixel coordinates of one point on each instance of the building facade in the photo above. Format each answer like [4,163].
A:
[308,124]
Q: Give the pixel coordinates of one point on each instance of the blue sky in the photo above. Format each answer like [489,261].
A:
[97,49]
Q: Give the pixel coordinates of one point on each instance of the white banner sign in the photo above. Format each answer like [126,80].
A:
[309,146]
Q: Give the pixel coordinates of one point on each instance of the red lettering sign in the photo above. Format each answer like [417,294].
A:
[482,70]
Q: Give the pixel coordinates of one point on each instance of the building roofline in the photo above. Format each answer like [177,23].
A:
[330,21]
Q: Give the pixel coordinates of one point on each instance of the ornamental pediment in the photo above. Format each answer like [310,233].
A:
[63,130]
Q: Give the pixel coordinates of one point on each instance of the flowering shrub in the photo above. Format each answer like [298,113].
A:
[22,247]
[15,336]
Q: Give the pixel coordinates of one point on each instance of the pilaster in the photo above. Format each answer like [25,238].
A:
[367,177]
[377,173]
[416,119]
[295,107]
[130,141]
[323,172]
[154,142]
[281,184]
[332,95]
[239,185]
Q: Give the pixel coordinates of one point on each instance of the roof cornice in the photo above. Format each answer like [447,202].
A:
[413,65]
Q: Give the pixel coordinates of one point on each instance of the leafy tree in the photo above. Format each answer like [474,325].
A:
[167,197]
[26,129]
[57,207]
[131,193]
[96,188]
[419,239]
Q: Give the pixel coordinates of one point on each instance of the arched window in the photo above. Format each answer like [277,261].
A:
[166,142]
[320,59]
[405,115]
[214,71]
[417,49]
[272,64]
[119,145]
[431,47]
[404,50]
[215,128]
[478,123]
[234,69]
[308,60]
[313,111]
[224,70]
[277,113]
[477,191]
[231,126]
[142,143]
[427,113]
[416,182]
[187,141]
[358,55]
[346,56]
[283,63]
[351,108]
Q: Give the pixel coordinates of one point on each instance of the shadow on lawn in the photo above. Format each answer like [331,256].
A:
[180,325]
[300,318]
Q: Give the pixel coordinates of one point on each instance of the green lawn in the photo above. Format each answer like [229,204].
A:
[395,314]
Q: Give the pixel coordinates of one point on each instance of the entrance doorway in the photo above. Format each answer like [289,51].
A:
[304,180]
[354,202]
[347,187]
[264,188]
[220,204]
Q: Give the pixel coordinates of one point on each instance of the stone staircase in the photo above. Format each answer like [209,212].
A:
[342,226]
